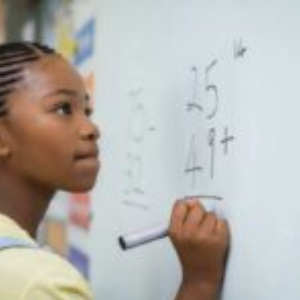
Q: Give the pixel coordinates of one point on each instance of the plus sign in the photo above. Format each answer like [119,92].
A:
[226,140]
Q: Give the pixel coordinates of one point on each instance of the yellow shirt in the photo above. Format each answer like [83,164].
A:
[36,274]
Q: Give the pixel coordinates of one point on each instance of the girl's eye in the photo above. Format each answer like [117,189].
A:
[64,109]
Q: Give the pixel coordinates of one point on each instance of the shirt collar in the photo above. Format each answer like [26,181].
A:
[10,228]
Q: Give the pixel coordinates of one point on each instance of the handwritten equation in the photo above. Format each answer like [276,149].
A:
[208,134]
[138,128]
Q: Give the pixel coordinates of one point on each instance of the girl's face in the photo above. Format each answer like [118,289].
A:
[51,139]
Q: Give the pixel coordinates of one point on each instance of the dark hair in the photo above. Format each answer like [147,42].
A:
[13,58]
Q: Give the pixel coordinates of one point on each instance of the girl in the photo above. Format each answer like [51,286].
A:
[47,143]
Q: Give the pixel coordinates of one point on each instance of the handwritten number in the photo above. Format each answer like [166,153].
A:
[195,103]
[211,88]
[212,145]
[192,166]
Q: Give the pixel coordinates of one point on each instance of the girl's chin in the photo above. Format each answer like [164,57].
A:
[83,181]
[81,186]
[84,189]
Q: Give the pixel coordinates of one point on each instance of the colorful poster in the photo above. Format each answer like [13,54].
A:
[56,235]
[80,214]
[85,39]
[80,205]
[80,260]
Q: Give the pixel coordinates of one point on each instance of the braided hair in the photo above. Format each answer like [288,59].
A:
[14,56]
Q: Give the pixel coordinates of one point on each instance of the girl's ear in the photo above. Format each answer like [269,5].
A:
[5,149]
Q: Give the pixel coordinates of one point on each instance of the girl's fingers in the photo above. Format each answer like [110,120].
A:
[194,218]
[222,229]
[209,223]
[179,214]
[189,218]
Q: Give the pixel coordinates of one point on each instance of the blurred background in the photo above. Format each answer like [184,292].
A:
[69,27]
[50,21]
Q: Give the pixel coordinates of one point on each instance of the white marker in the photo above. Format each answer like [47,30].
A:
[143,236]
[148,235]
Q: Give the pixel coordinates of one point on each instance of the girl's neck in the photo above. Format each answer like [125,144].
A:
[23,202]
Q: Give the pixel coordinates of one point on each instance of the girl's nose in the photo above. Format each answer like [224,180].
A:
[90,131]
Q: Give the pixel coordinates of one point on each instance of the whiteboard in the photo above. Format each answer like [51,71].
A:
[198,97]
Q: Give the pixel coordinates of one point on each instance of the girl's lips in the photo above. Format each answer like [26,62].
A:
[87,154]
[88,160]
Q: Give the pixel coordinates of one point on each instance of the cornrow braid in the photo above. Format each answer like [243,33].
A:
[13,58]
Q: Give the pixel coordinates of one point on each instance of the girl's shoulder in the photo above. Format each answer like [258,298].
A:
[38,272]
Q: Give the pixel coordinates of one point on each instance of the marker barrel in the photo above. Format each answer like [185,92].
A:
[143,236]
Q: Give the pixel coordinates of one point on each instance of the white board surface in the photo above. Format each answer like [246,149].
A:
[198,98]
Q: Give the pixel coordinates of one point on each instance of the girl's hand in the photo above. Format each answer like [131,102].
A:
[201,240]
